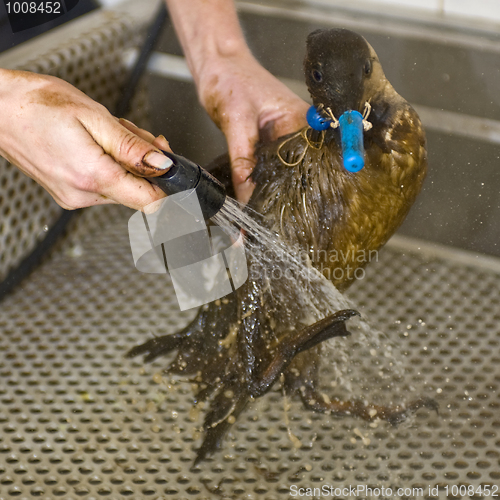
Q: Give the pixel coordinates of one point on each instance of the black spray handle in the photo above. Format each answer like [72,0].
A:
[184,175]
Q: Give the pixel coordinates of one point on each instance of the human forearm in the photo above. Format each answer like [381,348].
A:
[73,146]
[240,96]
[207,30]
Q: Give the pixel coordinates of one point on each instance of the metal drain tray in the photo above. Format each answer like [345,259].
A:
[77,420]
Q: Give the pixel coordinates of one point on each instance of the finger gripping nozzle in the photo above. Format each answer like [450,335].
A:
[185,175]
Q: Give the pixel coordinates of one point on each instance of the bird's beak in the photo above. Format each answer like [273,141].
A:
[343,97]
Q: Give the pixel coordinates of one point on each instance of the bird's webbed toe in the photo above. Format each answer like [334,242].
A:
[296,343]
[157,346]
[230,400]
[315,400]
[198,345]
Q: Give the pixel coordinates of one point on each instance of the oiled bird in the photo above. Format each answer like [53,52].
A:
[237,348]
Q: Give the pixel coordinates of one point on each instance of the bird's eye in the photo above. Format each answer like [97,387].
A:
[317,75]
[368,67]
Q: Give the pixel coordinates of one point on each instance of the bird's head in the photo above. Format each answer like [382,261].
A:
[342,70]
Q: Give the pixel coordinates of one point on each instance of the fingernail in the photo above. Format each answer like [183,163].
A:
[162,142]
[157,160]
[128,121]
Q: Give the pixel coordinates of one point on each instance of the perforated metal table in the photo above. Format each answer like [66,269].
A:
[78,420]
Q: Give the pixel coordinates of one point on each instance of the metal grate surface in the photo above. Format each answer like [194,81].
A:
[77,420]
[88,53]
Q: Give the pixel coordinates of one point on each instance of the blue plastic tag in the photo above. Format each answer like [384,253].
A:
[315,120]
[351,134]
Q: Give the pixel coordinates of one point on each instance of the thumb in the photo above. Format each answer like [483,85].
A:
[133,153]
[241,140]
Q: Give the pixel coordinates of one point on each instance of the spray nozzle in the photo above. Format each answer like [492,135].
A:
[186,175]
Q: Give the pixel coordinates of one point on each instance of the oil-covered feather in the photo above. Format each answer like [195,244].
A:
[238,348]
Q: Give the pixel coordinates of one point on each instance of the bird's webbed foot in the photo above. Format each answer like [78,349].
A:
[188,342]
[232,393]
[198,344]
[314,400]
[398,414]
[225,406]
[291,345]
[157,346]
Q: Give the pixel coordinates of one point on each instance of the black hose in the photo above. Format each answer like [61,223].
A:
[154,32]
[29,263]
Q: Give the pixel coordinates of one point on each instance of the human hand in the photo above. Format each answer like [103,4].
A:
[243,99]
[73,146]
[247,103]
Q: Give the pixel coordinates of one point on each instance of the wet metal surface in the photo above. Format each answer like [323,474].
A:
[78,420]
